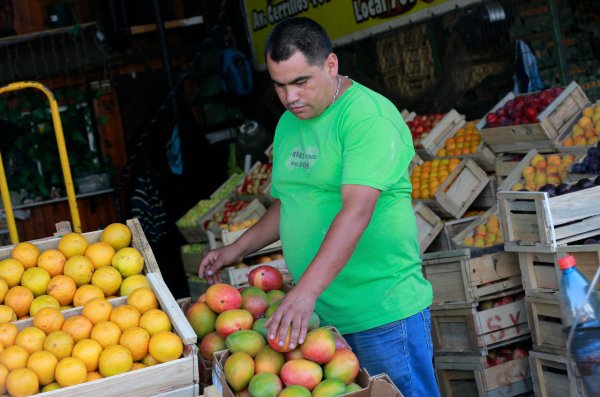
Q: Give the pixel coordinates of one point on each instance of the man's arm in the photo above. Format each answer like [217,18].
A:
[261,234]
[335,251]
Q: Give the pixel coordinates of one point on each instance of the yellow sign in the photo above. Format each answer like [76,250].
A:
[344,20]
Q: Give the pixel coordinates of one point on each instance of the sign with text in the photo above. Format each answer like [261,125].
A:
[344,20]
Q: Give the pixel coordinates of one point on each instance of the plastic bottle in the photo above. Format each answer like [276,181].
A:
[584,314]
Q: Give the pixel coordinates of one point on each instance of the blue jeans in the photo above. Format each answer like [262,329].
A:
[403,350]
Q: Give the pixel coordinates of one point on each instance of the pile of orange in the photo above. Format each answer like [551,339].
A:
[428,177]
[486,234]
[465,141]
[587,129]
[70,274]
[102,341]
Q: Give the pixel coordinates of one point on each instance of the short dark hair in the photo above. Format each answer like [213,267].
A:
[298,34]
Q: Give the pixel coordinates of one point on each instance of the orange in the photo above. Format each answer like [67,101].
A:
[108,279]
[11,271]
[93,376]
[3,289]
[79,327]
[125,316]
[131,283]
[72,244]
[117,235]
[106,333]
[50,387]
[70,371]
[59,343]
[3,375]
[26,253]
[7,314]
[62,288]
[143,299]
[80,269]
[88,351]
[14,357]
[22,382]
[149,361]
[96,310]
[36,279]
[100,254]
[138,366]
[155,320]
[19,299]
[49,319]
[128,261]
[53,261]
[8,334]
[86,293]
[41,302]
[165,346]
[31,339]
[43,363]
[115,360]
[136,339]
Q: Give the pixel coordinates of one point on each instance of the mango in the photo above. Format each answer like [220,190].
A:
[268,360]
[239,369]
[319,345]
[301,372]
[201,318]
[265,385]
[329,388]
[245,341]
[233,320]
[344,366]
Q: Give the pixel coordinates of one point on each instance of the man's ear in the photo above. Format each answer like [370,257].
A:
[331,64]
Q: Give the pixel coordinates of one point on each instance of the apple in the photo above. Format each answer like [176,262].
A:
[485,305]
[499,360]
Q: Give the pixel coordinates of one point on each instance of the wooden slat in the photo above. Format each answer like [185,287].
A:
[554,375]
[429,225]
[429,145]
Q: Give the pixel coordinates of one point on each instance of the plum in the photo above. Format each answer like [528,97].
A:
[597,181]
[577,168]
[574,189]
[548,188]
[562,188]
[590,241]
[584,183]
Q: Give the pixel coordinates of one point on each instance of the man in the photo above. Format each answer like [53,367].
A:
[343,212]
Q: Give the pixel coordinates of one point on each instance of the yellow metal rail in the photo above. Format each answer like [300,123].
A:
[64,162]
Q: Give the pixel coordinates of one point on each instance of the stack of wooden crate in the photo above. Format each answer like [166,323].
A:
[477,313]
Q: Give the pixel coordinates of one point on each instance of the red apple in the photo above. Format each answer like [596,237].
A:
[503,301]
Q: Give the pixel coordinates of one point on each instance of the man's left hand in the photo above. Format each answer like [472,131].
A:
[294,312]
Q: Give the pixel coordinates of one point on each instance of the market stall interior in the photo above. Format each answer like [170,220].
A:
[169,113]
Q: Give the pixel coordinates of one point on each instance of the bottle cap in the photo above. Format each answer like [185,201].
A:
[566,262]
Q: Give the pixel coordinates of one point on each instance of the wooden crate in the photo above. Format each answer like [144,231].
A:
[545,324]
[458,191]
[204,366]
[554,375]
[469,230]
[230,237]
[191,255]
[534,221]
[558,142]
[218,378]
[239,277]
[194,231]
[540,270]
[160,379]
[262,190]
[429,225]
[487,198]
[465,275]
[138,241]
[227,188]
[428,146]
[504,165]
[552,122]
[469,377]
[467,331]
[254,210]
[416,160]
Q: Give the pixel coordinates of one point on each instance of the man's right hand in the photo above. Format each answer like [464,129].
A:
[215,260]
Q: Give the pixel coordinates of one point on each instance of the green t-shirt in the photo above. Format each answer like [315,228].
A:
[360,139]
